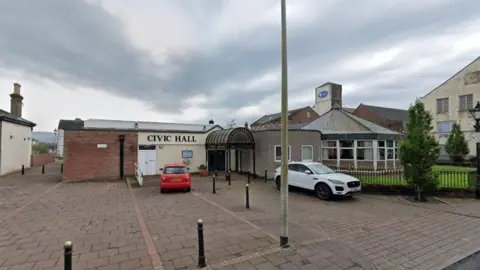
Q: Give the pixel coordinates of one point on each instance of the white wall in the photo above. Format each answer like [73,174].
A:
[452,89]
[323,103]
[16,147]
[170,145]
[60,136]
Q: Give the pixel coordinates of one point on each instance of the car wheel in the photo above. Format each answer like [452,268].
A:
[323,191]
[188,189]
[161,190]
[277,182]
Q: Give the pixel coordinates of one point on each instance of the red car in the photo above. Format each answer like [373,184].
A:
[175,177]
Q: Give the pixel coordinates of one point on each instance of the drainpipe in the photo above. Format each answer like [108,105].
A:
[122,150]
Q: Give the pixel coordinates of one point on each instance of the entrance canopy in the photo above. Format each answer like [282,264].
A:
[232,138]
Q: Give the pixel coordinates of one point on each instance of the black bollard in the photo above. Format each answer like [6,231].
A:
[213,185]
[43,169]
[68,255]
[23,169]
[248,177]
[216,173]
[265,175]
[61,168]
[229,177]
[201,249]
[247,197]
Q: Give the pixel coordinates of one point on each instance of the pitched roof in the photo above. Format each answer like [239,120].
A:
[8,117]
[70,124]
[338,121]
[390,113]
[477,59]
[349,110]
[275,117]
[279,127]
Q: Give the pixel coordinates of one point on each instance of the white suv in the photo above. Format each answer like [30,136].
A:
[317,177]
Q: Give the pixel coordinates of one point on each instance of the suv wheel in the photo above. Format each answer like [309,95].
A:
[323,191]
[277,182]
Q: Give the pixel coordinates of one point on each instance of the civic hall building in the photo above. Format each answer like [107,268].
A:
[109,149]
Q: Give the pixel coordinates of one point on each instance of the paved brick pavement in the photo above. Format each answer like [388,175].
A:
[105,221]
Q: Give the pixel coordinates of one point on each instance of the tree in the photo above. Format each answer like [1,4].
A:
[231,124]
[419,151]
[457,146]
[40,148]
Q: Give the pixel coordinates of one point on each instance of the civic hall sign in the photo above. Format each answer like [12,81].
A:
[171,138]
[148,138]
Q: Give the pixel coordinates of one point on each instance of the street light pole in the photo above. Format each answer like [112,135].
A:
[284,136]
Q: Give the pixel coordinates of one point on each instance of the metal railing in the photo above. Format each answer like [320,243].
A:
[448,178]
[138,174]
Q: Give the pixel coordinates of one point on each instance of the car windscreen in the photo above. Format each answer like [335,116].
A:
[175,170]
[320,168]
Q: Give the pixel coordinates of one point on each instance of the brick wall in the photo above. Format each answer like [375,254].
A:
[41,159]
[306,115]
[366,114]
[84,160]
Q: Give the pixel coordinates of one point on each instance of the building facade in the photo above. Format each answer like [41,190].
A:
[296,116]
[450,103]
[16,136]
[110,149]
[394,119]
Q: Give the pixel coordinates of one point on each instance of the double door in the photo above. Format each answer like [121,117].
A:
[216,160]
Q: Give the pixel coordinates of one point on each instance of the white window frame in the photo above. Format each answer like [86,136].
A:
[280,159]
[340,148]
[443,107]
[442,124]
[364,147]
[328,147]
[465,102]
[386,148]
[311,147]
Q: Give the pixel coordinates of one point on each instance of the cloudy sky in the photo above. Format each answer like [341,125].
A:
[192,60]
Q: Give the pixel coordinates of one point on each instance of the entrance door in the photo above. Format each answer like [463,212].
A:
[147,159]
[216,160]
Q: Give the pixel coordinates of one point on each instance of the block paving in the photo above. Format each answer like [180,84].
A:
[105,221]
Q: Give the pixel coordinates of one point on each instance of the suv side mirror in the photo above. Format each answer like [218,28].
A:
[188,169]
[308,172]
[161,169]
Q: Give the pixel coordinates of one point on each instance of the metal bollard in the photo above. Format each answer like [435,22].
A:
[247,197]
[213,185]
[68,255]
[43,169]
[216,173]
[229,177]
[248,177]
[201,248]
[23,169]
[265,175]
[61,168]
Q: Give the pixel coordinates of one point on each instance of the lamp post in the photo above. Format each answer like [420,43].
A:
[475,113]
[56,142]
[284,135]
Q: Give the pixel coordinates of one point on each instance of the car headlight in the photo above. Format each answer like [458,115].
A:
[336,182]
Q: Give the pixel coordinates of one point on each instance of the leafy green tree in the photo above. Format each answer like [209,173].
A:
[419,151]
[457,146]
[40,148]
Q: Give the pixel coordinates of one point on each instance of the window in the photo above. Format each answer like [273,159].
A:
[278,153]
[364,150]
[175,170]
[318,168]
[346,149]
[466,102]
[442,105]
[307,153]
[444,126]
[387,150]
[329,150]
[308,114]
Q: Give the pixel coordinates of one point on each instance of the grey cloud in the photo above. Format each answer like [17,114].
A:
[72,41]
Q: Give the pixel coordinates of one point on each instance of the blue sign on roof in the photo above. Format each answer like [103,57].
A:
[323,94]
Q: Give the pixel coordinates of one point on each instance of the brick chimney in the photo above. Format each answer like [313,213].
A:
[246,124]
[16,99]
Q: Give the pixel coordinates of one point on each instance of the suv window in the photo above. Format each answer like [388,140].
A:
[302,168]
[292,167]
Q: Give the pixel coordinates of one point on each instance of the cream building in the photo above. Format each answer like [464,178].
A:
[327,96]
[15,136]
[449,103]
